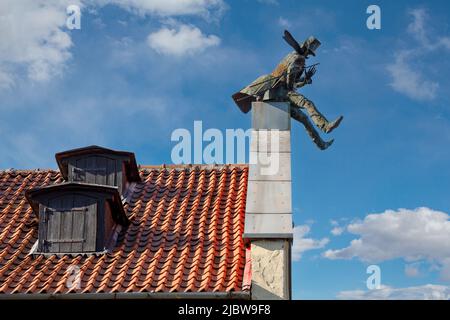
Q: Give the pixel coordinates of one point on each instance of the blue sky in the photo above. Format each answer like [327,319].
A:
[139,69]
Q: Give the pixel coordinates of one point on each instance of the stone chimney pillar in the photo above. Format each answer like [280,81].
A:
[268,217]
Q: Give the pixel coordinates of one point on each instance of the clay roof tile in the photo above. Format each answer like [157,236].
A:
[185,235]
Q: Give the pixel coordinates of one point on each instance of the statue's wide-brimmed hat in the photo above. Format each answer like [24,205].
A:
[310,45]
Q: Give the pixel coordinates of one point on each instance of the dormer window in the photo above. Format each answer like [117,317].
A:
[84,214]
[76,218]
[97,165]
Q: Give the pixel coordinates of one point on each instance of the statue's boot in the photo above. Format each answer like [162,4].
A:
[298,115]
[324,144]
[333,125]
[299,101]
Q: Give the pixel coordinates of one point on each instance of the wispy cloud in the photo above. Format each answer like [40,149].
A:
[425,292]
[272,2]
[421,234]
[409,77]
[166,8]
[84,120]
[337,231]
[408,80]
[283,22]
[417,27]
[302,243]
[6,79]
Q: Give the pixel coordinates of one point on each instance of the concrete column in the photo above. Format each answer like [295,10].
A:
[268,218]
[271,269]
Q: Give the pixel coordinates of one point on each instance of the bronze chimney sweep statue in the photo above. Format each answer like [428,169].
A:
[281,84]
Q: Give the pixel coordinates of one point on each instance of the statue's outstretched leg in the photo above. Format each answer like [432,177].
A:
[298,115]
[318,118]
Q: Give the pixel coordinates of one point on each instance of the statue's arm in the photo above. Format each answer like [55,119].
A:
[306,79]
[302,82]
[294,72]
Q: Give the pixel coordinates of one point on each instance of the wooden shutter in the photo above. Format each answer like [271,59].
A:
[90,226]
[43,224]
[71,224]
[96,169]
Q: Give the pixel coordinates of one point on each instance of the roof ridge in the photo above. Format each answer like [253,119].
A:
[174,166]
[28,170]
[141,167]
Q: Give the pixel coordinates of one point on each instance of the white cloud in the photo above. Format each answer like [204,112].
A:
[6,79]
[302,244]
[283,22]
[420,30]
[337,231]
[417,26]
[334,222]
[166,8]
[273,2]
[407,73]
[444,42]
[409,81]
[413,235]
[178,42]
[425,292]
[36,44]
[33,39]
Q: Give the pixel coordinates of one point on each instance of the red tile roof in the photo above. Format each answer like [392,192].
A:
[185,236]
